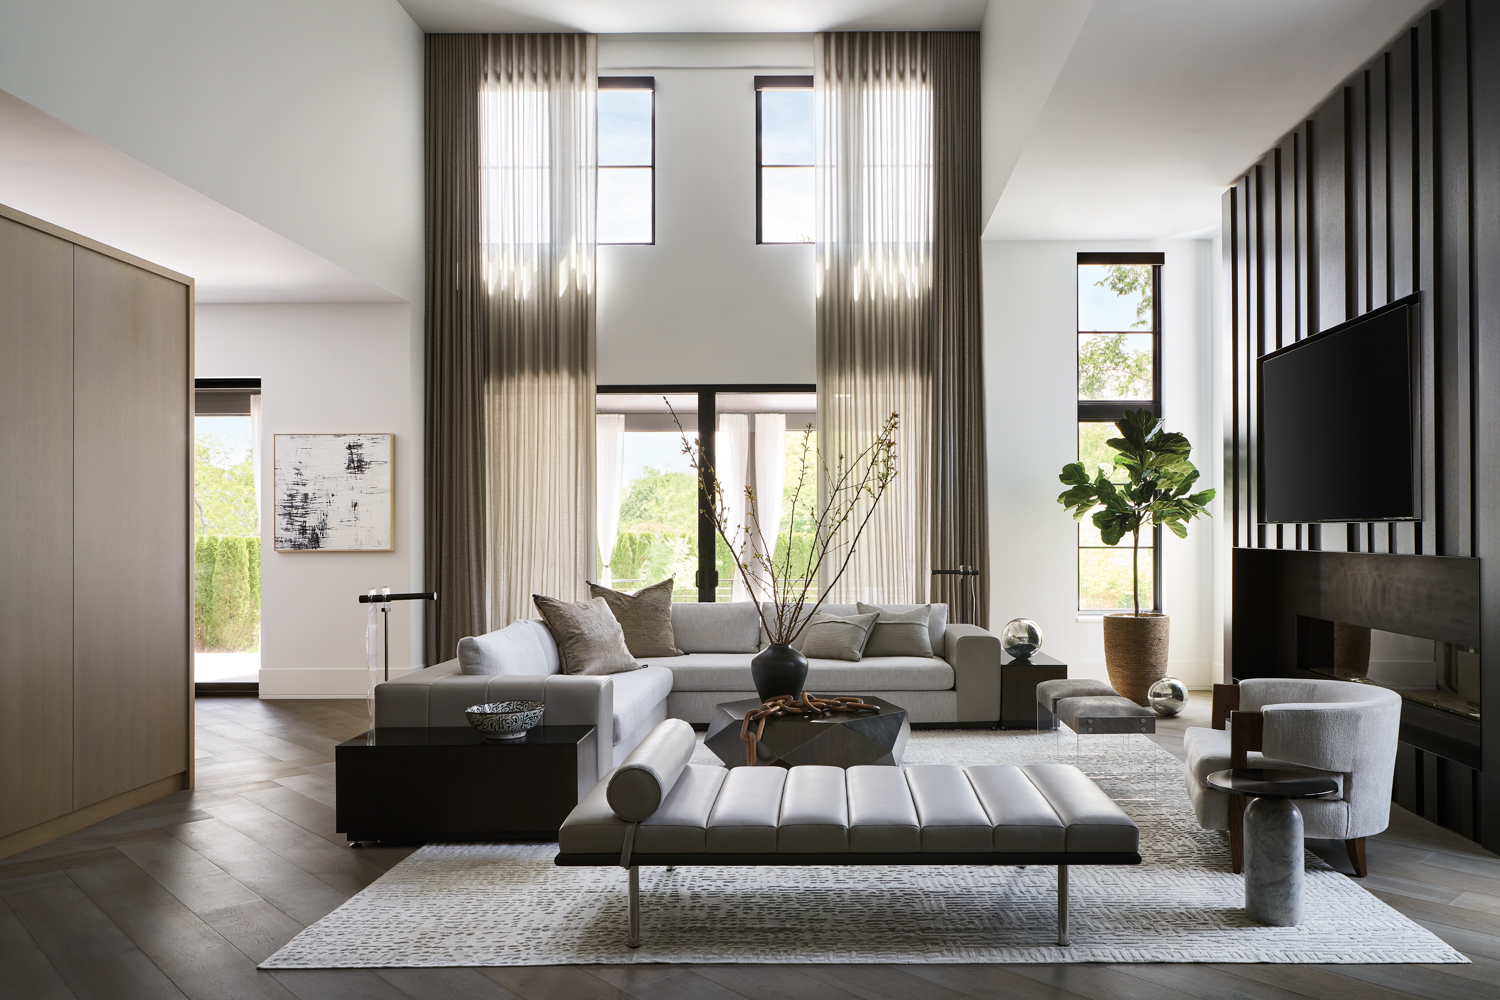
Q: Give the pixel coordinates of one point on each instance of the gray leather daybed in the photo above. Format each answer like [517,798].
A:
[657,809]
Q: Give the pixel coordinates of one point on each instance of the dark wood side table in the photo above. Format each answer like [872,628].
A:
[453,784]
[1018,681]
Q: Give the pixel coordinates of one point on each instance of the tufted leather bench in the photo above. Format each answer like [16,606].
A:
[657,809]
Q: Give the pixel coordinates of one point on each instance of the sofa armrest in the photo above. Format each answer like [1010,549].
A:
[974,655]
[437,697]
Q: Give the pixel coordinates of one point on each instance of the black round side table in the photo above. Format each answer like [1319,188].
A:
[1273,836]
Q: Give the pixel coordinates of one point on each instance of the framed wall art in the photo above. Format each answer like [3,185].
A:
[334,492]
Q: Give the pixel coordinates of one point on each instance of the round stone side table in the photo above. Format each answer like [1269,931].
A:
[1273,836]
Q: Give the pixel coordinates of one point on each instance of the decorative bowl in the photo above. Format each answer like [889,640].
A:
[505,720]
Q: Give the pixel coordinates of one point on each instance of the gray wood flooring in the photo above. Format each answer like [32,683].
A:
[182,897]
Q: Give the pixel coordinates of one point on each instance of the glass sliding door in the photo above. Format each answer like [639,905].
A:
[649,503]
[226,529]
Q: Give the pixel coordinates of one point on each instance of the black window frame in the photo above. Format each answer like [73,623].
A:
[1109,410]
[764,83]
[707,581]
[636,83]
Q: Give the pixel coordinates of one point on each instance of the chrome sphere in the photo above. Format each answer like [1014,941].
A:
[1021,637]
[1167,696]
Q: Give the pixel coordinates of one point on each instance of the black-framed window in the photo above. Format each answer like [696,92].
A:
[662,529]
[627,160]
[785,204]
[1119,368]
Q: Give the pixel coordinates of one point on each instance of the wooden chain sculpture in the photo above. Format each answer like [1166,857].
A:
[784,704]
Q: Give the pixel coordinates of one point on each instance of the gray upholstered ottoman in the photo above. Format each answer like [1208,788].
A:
[1106,713]
[657,809]
[1049,693]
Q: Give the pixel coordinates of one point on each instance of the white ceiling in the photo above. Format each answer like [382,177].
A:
[1161,104]
[52,171]
[611,16]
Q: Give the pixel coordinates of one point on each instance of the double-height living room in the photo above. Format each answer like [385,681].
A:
[746,499]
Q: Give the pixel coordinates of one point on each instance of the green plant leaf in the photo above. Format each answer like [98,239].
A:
[1074,474]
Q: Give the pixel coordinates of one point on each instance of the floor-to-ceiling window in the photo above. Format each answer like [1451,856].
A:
[226,529]
[651,522]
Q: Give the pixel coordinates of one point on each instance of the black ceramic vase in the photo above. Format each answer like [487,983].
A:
[778,670]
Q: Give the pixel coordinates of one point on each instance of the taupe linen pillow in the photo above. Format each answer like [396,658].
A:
[645,617]
[836,637]
[589,639]
[899,632]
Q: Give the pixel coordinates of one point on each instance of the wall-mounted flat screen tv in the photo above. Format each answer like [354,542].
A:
[1339,422]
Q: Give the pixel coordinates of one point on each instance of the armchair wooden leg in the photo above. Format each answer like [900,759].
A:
[1356,848]
[1237,833]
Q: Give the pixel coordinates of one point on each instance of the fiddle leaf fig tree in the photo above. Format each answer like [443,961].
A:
[1158,490]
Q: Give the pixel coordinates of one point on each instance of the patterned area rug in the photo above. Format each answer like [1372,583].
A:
[507,904]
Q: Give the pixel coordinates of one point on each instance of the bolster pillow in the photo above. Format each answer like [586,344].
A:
[641,783]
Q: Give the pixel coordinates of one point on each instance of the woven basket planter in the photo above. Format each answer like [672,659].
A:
[1135,652]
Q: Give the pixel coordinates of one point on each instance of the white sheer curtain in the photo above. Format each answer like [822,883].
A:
[537,163]
[770,482]
[255,453]
[731,462]
[609,477]
[874,246]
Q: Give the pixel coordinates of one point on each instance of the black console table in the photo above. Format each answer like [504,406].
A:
[452,784]
[1018,681]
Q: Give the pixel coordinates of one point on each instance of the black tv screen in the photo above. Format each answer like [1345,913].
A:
[1339,415]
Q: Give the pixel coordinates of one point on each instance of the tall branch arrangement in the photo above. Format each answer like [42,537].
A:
[855,486]
[1157,492]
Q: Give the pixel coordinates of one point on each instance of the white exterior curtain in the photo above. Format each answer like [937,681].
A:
[874,248]
[609,477]
[770,483]
[537,165]
[731,461]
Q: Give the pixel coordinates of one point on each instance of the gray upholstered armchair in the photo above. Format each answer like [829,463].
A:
[1344,729]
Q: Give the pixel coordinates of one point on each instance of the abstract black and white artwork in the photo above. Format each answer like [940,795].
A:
[333,492]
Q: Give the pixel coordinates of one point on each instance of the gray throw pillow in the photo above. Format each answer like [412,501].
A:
[900,631]
[836,637]
[645,617]
[589,639]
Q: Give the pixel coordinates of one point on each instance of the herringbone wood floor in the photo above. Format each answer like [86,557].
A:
[182,897]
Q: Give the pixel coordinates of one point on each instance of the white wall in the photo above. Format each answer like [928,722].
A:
[303,115]
[705,303]
[336,368]
[1031,373]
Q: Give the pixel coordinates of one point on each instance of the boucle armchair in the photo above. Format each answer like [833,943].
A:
[1346,730]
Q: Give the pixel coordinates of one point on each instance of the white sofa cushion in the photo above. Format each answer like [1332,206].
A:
[937,622]
[716,628]
[637,692]
[731,672]
[519,649]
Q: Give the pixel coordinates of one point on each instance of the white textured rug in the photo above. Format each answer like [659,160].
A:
[507,904]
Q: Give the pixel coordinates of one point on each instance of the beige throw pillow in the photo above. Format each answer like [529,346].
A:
[899,632]
[836,637]
[589,639]
[645,617]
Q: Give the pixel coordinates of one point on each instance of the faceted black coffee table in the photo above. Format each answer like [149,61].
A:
[840,739]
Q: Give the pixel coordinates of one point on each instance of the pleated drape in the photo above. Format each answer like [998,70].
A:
[960,494]
[510,333]
[874,258]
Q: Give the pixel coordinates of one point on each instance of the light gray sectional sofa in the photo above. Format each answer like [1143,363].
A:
[958,685]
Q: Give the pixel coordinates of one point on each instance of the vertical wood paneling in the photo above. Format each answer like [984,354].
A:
[36,482]
[130,493]
[1393,187]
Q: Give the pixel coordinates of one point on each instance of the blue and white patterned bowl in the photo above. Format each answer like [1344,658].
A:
[505,720]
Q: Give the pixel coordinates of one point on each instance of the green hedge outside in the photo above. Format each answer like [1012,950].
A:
[643,557]
[226,594]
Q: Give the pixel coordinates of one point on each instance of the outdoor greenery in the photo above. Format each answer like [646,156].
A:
[224,493]
[226,591]
[1131,279]
[1157,491]
[1113,365]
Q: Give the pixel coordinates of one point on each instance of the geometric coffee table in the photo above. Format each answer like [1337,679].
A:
[838,739]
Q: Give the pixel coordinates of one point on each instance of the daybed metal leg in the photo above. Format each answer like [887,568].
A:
[671,868]
[1062,905]
[633,933]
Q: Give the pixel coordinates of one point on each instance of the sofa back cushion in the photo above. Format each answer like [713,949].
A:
[520,648]
[644,616]
[732,627]
[899,632]
[836,637]
[937,619]
[589,637]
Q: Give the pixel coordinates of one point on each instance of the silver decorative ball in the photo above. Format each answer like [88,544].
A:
[1167,696]
[1021,637]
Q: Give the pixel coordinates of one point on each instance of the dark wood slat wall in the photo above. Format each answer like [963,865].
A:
[1392,185]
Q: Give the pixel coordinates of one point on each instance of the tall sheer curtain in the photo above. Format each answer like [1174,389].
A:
[510,326]
[609,479]
[874,249]
[731,465]
[770,483]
